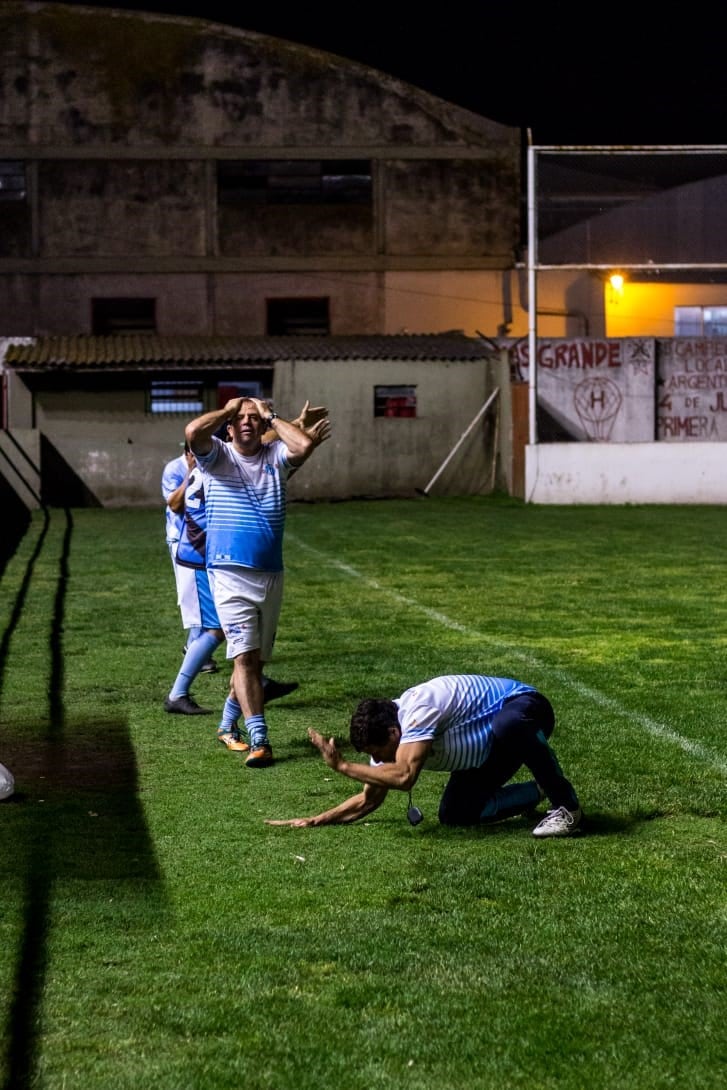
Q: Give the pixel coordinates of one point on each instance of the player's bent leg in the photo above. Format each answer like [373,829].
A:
[470,792]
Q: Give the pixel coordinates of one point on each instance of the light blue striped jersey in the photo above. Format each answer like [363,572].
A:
[173,474]
[192,547]
[455,712]
[245,500]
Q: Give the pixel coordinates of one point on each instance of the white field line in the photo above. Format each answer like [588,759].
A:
[652,726]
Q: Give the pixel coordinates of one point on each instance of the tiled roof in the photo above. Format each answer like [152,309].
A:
[133,352]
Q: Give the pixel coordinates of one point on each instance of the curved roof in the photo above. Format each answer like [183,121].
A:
[87,76]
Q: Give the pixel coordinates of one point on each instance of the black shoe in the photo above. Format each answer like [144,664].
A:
[273,690]
[184,705]
[210,667]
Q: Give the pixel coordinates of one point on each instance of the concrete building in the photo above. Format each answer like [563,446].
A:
[205,188]
[173,176]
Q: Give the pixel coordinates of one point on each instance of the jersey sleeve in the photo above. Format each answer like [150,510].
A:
[208,460]
[418,719]
[171,479]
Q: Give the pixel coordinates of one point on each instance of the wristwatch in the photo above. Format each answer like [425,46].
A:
[273,416]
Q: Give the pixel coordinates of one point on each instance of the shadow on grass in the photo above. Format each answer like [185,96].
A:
[80,797]
[594,824]
[76,815]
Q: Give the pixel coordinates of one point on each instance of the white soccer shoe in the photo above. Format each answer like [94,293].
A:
[560,822]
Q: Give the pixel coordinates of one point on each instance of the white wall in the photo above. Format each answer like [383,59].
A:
[622,473]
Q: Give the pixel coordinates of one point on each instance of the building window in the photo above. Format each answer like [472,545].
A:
[168,396]
[12,180]
[700,321]
[395,400]
[298,318]
[227,390]
[294,181]
[109,316]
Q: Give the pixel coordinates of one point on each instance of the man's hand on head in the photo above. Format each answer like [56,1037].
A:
[232,407]
[261,408]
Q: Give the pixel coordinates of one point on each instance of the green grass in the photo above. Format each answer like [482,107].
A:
[155,932]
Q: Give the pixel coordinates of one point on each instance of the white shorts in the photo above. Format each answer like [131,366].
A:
[183,581]
[194,598]
[248,605]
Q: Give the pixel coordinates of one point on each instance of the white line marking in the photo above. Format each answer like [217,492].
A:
[658,730]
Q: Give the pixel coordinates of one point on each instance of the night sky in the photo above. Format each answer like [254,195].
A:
[614,73]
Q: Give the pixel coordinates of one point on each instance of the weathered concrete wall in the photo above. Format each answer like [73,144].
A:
[618,473]
[122,207]
[109,442]
[20,465]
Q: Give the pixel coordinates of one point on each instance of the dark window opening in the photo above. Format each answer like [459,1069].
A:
[110,316]
[395,400]
[12,180]
[294,181]
[298,318]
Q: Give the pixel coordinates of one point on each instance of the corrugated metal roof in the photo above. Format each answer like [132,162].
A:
[132,352]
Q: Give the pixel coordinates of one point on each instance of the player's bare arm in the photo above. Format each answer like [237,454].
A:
[199,431]
[175,499]
[353,809]
[399,774]
[299,443]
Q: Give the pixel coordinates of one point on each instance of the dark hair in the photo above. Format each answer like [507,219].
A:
[187,448]
[370,723]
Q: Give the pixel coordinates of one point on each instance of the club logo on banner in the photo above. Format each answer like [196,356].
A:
[599,391]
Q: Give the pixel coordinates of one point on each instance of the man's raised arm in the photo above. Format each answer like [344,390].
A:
[199,431]
[300,445]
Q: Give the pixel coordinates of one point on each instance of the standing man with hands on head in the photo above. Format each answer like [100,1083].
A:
[246,491]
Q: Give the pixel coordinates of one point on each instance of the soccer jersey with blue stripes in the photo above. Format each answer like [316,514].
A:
[455,712]
[173,474]
[245,499]
[192,541]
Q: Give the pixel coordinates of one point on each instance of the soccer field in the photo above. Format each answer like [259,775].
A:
[154,932]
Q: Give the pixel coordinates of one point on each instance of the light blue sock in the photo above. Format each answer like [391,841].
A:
[230,714]
[257,731]
[194,634]
[513,799]
[196,656]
